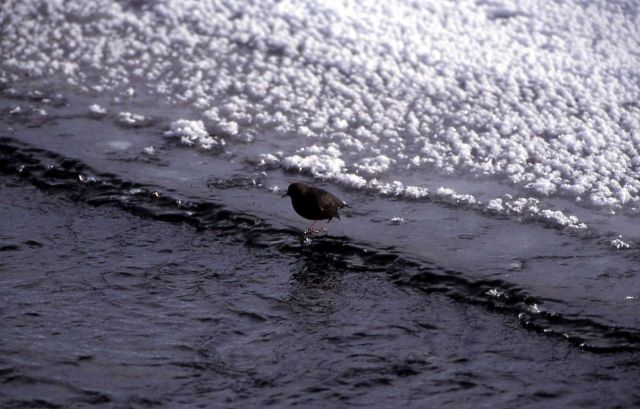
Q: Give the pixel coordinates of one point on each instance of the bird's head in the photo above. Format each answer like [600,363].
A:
[295,189]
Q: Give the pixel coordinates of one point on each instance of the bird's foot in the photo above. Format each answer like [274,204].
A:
[311,231]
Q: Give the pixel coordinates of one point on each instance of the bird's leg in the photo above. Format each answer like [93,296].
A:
[310,230]
[326,227]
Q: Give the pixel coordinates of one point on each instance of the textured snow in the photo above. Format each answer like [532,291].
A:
[397,220]
[398,189]
[529,207]
[268,159]
[97,109]
[620,244]
[318,160]
[193,133]
[495,205]
[542,96]
[444,193]
[128,118]
[559,218]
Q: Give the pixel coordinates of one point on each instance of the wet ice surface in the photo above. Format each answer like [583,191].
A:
[104,307]
[577,273]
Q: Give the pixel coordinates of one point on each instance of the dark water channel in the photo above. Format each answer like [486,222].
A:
[116,301]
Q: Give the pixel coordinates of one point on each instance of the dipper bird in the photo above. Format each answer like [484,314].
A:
[314,203]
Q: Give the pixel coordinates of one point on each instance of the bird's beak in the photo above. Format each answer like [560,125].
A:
[286,194]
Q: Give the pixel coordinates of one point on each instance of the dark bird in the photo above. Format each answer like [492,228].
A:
[314,204]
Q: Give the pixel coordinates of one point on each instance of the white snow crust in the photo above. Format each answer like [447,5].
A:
[97,109]
[541,95]
[128,118]
[193,133]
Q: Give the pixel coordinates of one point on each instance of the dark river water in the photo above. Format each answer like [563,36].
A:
[116,294]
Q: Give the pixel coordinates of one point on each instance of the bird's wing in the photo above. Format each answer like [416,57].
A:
[329,201]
